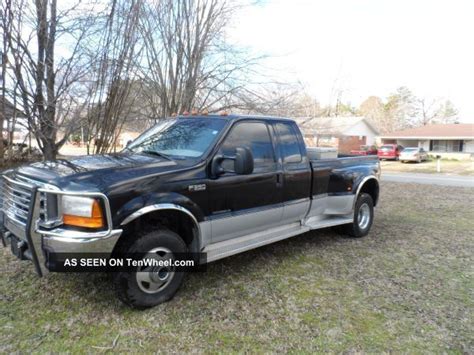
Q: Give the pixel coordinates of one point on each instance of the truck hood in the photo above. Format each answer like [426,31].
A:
[99,171]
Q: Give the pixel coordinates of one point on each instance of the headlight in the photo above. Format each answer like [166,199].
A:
[82,212]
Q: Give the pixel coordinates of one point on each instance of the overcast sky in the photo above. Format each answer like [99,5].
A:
[367,47]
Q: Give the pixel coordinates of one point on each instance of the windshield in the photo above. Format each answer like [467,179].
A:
[179,138]
[407,150]
[387,147]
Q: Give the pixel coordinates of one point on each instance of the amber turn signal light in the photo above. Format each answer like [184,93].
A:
[96,219]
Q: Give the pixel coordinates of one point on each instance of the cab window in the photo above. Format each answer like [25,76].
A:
[289,145]
[256,137]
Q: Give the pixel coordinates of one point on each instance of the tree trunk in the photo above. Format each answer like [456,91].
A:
[2,149]
[49,150]
[45,73]
[5,23]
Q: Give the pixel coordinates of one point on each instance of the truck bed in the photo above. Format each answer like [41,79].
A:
[339,175]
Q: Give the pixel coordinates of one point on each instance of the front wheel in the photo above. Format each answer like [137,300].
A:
[363,217]
[151,285]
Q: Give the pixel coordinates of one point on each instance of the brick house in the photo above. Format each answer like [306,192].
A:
[343,133]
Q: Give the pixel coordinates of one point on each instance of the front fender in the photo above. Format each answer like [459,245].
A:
[170,198]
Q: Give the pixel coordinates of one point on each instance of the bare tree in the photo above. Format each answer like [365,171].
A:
[374,109]
[5,28]
[448,113]
[435,111]
[187,61]
[43,78]
[402,110]
[277,99]
[114,61]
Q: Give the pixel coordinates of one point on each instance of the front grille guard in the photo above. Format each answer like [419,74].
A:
[16,199]
[33,229]
[33,243]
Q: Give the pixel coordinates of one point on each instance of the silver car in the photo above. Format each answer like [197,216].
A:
[413,154]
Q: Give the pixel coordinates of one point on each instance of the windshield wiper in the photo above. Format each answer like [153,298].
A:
[154,152]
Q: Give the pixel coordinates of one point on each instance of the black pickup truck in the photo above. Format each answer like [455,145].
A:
[204,185]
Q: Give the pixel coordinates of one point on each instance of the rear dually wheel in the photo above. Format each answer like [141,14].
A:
[363,217]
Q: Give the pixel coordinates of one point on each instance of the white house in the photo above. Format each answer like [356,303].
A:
[453,140]
[344,133]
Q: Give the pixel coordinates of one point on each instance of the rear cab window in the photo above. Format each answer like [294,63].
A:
[290,148]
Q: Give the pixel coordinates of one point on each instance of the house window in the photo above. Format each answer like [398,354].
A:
[447,145]
[457,146]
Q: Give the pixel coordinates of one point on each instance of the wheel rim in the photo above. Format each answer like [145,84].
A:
[153,279]
[363,217]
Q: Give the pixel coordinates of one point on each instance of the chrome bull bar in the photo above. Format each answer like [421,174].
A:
[24,229]
[40,238]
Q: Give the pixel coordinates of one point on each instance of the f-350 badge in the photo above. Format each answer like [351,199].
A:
[199,187]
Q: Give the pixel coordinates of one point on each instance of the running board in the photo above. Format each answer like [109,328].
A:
[234,246]
[318,223]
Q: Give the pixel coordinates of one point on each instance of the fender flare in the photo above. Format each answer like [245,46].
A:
[361,185]
[165,207]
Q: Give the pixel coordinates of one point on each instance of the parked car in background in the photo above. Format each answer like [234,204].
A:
[413,154]
[390,151]
[365,150]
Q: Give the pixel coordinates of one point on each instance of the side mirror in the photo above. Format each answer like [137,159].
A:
[243,162]
[129,142]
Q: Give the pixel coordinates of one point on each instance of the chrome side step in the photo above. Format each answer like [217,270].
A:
[318,223]
[234,246]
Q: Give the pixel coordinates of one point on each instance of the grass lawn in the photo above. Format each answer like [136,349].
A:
[464,167]
[407,287]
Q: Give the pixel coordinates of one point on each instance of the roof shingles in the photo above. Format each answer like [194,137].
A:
[459,131]
[331,125]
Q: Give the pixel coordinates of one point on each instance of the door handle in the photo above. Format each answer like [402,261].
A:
[279,179]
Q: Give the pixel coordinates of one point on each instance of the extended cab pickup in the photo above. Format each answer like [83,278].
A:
[212,186]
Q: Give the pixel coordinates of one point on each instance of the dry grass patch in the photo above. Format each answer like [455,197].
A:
[455,167]
[407,287]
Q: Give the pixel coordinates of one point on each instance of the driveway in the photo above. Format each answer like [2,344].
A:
[430,179]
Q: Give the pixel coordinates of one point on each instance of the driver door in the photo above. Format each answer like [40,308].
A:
[245,204]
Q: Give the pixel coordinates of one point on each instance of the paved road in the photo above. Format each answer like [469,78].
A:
[430,179]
